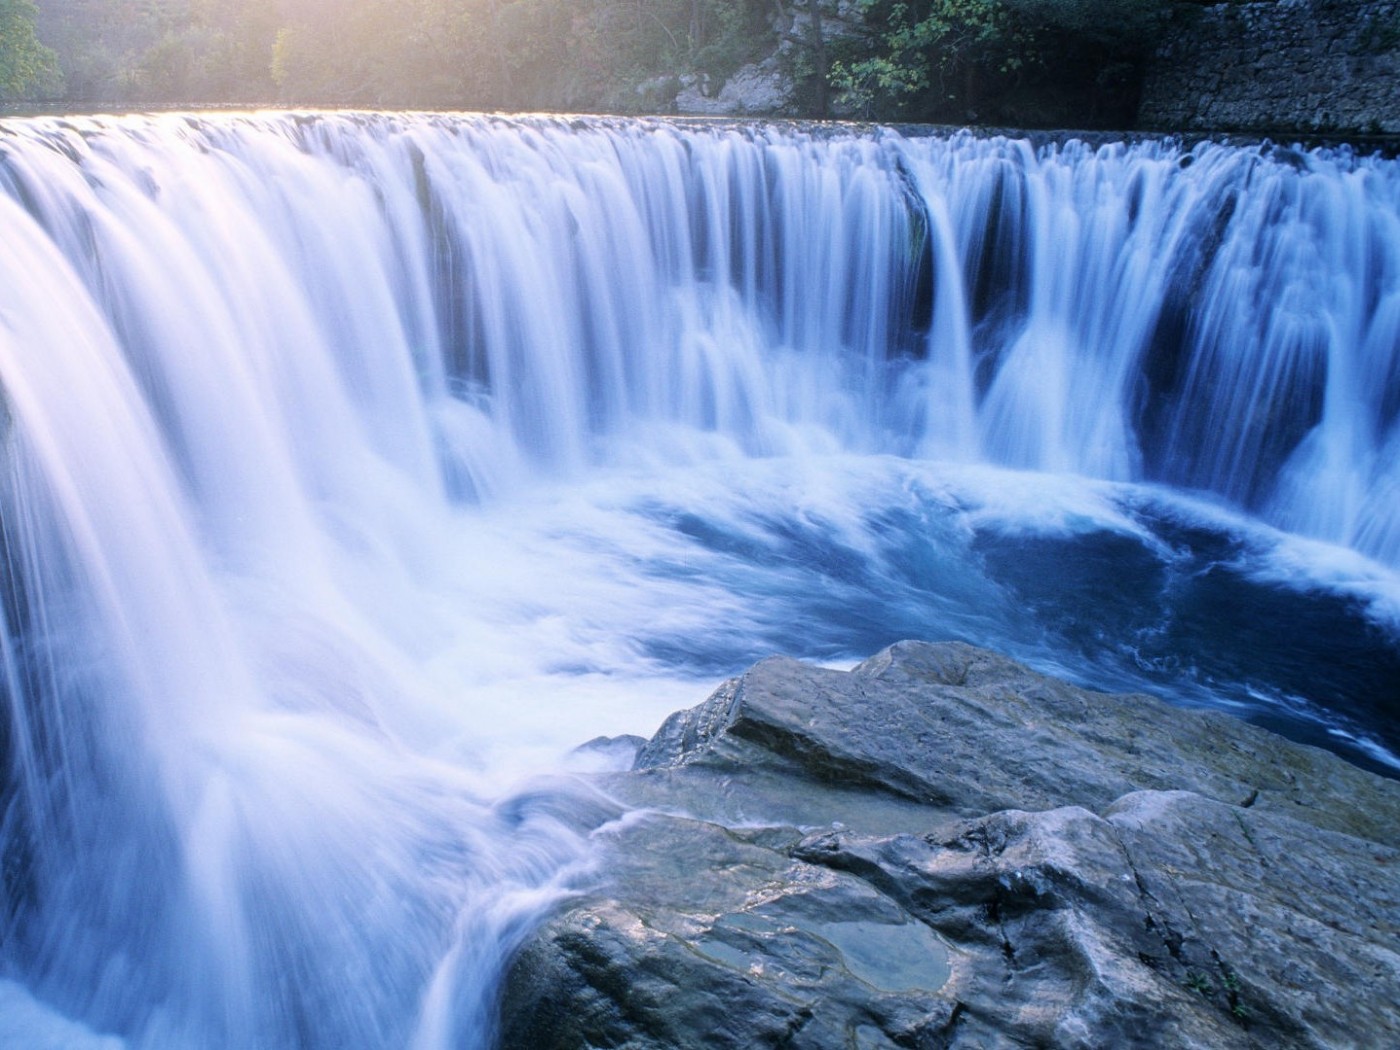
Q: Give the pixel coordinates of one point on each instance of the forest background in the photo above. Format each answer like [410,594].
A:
[1024,62]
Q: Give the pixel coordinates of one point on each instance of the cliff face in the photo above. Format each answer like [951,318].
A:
[1321,66]
[941,848]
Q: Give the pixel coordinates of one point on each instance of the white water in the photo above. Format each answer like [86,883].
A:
[357,466]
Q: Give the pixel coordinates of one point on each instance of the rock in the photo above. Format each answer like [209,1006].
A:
[712,939]
[922,722]
[757,89]
[768,88]
[1172,921]
[605,754]
[1328,67]
[941,848]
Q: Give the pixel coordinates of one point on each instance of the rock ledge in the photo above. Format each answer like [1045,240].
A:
[941,848]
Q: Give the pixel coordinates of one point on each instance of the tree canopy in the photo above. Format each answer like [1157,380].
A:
[26,65]
[913,59]
[960,57]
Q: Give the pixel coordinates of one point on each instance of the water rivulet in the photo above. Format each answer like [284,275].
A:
[355,466]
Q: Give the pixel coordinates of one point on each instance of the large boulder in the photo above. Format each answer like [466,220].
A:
[942,848]
[762,88]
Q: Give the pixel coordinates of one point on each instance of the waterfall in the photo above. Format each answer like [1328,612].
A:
[475,300]
[355,466]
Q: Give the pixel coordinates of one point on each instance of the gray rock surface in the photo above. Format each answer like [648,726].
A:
[758,89]
[942,848]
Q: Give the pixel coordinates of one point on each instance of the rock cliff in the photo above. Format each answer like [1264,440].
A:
[941,848]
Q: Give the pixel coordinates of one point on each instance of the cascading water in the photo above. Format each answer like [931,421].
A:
[355,466]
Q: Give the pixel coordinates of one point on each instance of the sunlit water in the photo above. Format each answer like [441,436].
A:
[356,467]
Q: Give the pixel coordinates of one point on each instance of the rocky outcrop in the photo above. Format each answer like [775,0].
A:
[770,87]
[1320,66]
[941,848]
[762,88]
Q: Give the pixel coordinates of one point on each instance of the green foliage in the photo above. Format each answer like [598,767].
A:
[616,46]
[912,59]
[725,35]
[476,53]
[938,46]
[206,52]
[1198,982]
[162,51]
[953,58]
[27,67]
[1231,982]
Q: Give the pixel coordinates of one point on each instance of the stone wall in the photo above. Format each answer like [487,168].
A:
[1319,66]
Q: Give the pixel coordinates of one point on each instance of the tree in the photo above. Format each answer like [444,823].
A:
[930,56]
[999,59]
[27,67]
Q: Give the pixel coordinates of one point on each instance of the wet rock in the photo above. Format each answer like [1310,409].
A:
[966,731]
[606,754]
[942,848]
